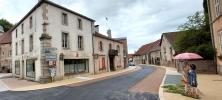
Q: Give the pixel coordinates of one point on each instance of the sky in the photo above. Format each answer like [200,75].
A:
[141,21]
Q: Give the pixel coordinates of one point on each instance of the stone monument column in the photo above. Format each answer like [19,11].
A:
[45,42]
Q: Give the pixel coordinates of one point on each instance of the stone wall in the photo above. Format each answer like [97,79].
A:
[205,66]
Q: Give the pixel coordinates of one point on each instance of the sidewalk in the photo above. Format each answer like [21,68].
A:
[3,86]
[210,86]
[78,80]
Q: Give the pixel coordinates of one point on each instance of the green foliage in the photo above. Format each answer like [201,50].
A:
[194,22]
[6,24]
[174,88]
[195,36]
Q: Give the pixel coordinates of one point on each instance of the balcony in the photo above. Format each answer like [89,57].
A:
[113,52]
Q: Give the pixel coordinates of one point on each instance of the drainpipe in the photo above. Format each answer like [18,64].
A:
[92,31]
[211,31]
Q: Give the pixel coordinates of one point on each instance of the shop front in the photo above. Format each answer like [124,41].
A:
[76,66]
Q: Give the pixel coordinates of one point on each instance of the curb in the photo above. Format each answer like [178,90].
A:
[161,94]
[78,83]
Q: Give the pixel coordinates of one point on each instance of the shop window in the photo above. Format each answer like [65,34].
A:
[72,66]
[17,67]
[30,68]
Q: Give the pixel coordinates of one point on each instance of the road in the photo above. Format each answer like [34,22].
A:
[115,88]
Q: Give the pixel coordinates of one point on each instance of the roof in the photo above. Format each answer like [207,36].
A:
[170,36]
[6,38]
[130,55]
[105,37]
[147,48]
[50,3]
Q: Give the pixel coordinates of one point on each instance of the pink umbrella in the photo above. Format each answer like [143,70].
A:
[188,56]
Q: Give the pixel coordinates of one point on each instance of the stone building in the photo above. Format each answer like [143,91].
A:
[215,13]
[52,36]
[5,52]
[108,53]
[167,48]
[148,54]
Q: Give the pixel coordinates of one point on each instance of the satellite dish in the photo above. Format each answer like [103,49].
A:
[1,29]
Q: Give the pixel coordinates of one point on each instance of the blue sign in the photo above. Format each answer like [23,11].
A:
[51,57]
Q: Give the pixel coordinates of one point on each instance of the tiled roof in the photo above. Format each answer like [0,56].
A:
[148,48]
[6,38]
[105,37]
[170,36]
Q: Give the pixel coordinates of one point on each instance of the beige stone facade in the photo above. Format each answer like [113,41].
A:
[108,53]
[5,53]
[167,49]
[148,54]
[215,15]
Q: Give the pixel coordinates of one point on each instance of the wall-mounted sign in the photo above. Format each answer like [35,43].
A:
[51,57]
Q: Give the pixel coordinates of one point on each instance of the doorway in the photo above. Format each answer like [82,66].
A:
[111,62]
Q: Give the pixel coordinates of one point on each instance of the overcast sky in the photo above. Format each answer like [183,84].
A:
[141,21]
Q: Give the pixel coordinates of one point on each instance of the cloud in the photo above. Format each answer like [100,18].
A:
[141,21]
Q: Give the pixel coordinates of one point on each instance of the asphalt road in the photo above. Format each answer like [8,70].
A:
[109,89]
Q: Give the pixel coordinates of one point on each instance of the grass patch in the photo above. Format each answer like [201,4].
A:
[179,89]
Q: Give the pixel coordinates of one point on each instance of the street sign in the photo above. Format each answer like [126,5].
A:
[51,57]
[49,50]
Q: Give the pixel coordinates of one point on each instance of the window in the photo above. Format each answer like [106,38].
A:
[118,48]
[22,28]
[30,68]
[79,24]
[16,48]
[17,67]
[100,46]
[31,43]
[22,47]
[64,19]
[72,66]
[30,22]
[65,40]
[80,42]
[16,33]
[217,7]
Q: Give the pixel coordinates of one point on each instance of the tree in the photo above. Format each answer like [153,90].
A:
[195,36]
[6,24]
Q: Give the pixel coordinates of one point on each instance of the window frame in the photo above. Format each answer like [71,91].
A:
[100,46]
[65,40]
[79,23]
[217,8]
[31,43]
[16,48]
[30,22]
[22,46]
[17,65]
[80,43]
[31,62]
[65,19]
[22,28]
[16,33]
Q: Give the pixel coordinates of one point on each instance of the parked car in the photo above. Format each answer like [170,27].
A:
[131,64]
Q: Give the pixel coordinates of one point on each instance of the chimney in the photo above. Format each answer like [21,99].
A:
[96,28]
[109,33]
